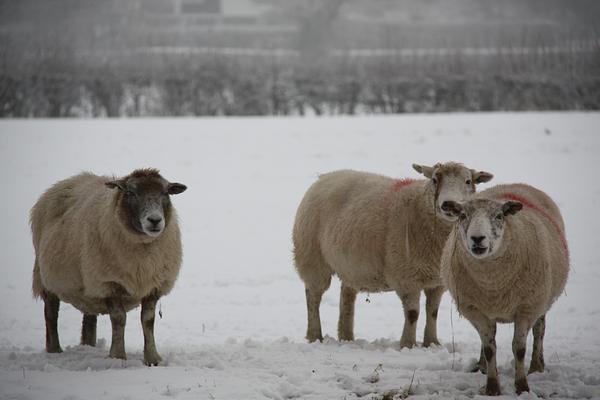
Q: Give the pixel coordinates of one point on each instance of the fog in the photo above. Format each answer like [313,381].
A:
[69,58]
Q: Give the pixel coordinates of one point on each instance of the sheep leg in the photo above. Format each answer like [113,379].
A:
[313,302]
[537,356]
[51,307]
[432,304]
[488,339]
[88,329]
[316,274]
[480,366]
[151,356]
[519,346]
[118,317]
[487,333]
[410,303]
[346,321]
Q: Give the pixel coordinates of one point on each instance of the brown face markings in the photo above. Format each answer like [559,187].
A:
[464,219]
[491,210]
[140,192]
[438,180]
[459,180]
[473,190]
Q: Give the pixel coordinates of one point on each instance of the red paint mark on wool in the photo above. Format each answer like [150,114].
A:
[395,187]
[400,183]
[529,204]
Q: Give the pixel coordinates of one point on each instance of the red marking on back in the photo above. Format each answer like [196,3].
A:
[529,204]
[400,183]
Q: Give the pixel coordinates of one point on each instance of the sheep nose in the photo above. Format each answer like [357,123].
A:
[477,239]
[446,205]
[154,220]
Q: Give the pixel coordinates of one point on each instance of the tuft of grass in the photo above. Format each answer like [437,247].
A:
[395,394]
[408,391]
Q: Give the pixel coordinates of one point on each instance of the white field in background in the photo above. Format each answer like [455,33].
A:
[233,326]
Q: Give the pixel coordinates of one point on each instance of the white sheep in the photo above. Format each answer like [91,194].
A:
[378,234]
[105,246]
[501,265]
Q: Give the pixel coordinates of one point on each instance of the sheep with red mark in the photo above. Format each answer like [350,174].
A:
[106,246]
[378,234]
[506,260]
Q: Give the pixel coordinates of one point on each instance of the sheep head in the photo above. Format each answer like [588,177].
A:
[144,200]
[451,182]
[481,223]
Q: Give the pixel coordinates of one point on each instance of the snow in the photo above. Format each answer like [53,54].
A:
[233,327]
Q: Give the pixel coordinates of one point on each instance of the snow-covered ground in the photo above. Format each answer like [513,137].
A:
[233,326]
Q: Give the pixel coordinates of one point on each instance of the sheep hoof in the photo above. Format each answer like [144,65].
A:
[54,349]
[152,360]
[118,354]
[491,391]
[536,367]
[521,385]
[534,370]
[428,343]
[312,339]
[407,344]
[479,367]
[492,388]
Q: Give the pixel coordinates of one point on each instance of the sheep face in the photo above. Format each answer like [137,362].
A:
[452,182]
[481,224]
[144,201]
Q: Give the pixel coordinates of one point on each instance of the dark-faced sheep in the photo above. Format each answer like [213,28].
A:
[378,234]
[506,260]
[106,246]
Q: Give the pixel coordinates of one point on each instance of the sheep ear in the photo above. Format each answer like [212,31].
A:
[423,169]
[176,188]
[452,207]
[116,184]
[511,207]
[481,176]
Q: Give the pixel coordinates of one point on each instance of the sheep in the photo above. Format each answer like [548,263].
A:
[106,246]
[378,234]
[506,260]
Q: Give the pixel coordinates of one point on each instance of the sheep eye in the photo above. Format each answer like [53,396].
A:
[462,216]
[468,182]
[499,217]
[435,181]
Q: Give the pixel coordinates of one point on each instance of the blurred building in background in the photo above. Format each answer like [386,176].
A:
[282,57]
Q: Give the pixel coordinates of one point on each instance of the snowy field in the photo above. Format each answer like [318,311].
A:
[233,326]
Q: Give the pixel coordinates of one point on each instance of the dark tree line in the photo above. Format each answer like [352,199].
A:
[91,64]
[225,86]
